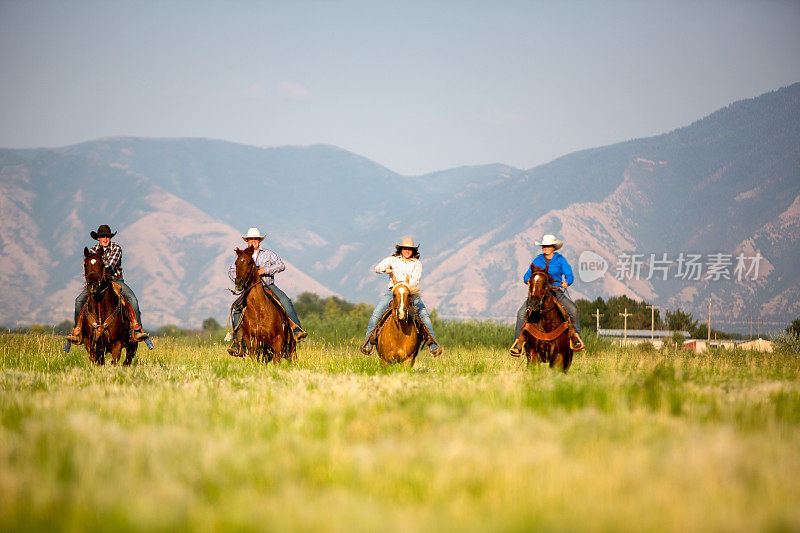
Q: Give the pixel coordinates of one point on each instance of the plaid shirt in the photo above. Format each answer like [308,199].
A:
[264,258]
[112,259]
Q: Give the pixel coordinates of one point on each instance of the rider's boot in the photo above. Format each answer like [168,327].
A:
[75,337]
[235,348]
[517,348]
[370,341]
[435,348]
[366,347]
[299,333]
[576,342]
[137,334]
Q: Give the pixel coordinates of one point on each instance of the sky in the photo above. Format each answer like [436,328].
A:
[414,86]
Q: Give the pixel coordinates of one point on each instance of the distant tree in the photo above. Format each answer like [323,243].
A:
[211,325]
[681,321]
[169,330]
[794,327]
[63,328]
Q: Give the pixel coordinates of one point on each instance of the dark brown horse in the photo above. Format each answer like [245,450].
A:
[399,338]
[547,330]
[265,329]
[104,322]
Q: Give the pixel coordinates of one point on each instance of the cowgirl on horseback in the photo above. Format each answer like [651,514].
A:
[112,260]
[403,265]
[561,273]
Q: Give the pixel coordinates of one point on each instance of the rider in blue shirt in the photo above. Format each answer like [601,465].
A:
[561,272]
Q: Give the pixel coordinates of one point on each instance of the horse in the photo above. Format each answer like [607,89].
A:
[265,328]
[399,338]
[547,330]
[104,322]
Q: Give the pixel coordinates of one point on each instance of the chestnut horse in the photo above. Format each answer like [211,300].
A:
[399,338]
[104,322]
[265,329]
[547,330]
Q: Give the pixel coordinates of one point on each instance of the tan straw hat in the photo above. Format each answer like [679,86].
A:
[550,240]
[407,242]
[253,233]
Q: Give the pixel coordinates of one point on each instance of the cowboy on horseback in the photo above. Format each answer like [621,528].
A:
[561,273]
[268,264]
[112,261]
[402,266]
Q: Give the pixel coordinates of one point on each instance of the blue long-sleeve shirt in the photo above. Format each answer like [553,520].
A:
[558,268]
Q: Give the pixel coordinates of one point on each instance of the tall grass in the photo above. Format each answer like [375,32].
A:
[190,438]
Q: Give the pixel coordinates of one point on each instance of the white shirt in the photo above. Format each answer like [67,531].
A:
[408,270]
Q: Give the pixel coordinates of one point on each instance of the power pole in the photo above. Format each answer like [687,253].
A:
[625,315]
[652,319]
[597,314]
[709,321]
[758,327]
[750,330]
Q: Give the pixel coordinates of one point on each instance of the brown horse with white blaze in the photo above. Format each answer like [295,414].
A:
[265,329]
[399,339]
[548,330]
[105,325]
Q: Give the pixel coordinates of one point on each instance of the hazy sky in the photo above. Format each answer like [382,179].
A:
[415,86]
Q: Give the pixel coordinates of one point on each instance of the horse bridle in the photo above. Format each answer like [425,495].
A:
[253,272]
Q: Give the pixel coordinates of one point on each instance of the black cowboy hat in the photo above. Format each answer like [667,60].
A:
[102,231]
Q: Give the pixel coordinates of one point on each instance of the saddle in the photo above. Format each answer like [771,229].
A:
[122,304]
[548,336]
[426,335]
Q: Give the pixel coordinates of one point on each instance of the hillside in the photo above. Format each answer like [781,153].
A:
[728,183]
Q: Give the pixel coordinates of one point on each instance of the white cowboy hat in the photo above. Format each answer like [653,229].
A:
[253,233]
[550,240]
[407,242]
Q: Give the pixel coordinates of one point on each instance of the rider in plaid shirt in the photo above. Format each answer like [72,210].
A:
[112,260]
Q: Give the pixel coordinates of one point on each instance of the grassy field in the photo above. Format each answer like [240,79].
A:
[190,438]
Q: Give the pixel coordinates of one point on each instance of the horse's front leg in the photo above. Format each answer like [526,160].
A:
[130,351]
[116,351]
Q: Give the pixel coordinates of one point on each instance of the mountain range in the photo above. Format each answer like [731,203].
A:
[725,186]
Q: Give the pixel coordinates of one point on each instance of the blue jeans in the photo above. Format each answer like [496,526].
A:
[240,304]
[569,305]
[80,301]
[385,302]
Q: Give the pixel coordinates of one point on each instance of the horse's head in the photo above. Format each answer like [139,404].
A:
[94,271]
[402,300]
[538,285]
[246,268]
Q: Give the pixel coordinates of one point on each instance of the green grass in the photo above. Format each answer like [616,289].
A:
[190,438]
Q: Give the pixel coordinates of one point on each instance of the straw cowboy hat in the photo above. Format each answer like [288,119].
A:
[102,231]
[550,240]
[407,242]
[253,233]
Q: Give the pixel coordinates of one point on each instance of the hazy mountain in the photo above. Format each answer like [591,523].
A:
[728,183]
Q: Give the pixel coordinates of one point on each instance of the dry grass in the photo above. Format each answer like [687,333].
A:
[190,438]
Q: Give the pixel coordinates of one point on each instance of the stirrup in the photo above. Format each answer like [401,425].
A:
[516,348]
[576,347]
[299,334]
[235,350]
[366,347]
[436,352]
